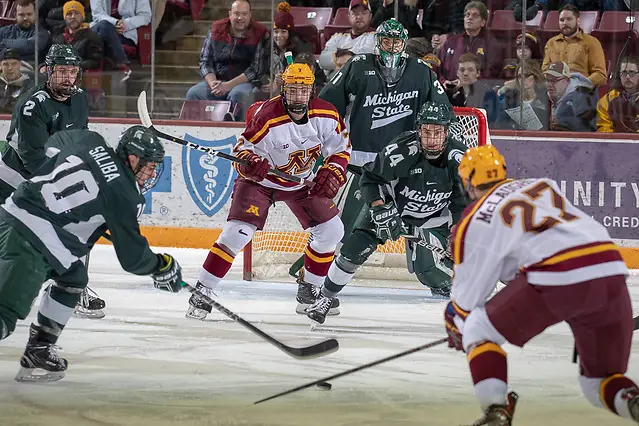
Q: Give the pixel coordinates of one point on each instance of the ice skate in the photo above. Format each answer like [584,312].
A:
[198,308]
[632,395]
[317,311]
[90,305]
[307,294]
[40,361]
[499,415]
[440,293]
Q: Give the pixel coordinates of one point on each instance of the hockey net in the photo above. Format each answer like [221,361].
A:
[274,249]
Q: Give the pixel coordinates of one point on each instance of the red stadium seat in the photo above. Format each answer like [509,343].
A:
[341,17]
[497,4]
[318,16]
[504,25]
[613,35]
[205,110]
[310,35]
[9,17]
[144,44]
[4,7]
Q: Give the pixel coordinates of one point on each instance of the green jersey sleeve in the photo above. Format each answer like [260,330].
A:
[341,86]
[394,162]
[458,198]
[32,134]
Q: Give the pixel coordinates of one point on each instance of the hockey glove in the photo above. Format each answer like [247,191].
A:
[454,336]
[388,224]
[328,181]
[256,170]
[169,276]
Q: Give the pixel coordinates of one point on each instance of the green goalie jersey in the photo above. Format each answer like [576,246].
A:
[427,192]
[82,190]
[376,112]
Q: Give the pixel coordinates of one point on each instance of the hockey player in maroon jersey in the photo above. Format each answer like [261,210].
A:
[560,265]
[289,133]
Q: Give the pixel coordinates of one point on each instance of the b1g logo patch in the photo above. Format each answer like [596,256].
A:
[209,179]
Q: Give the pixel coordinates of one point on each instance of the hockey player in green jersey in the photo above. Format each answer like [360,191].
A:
[379,95]
[57,104]
[51,221]
[412,188]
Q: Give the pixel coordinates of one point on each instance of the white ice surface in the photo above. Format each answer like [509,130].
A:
[145,364]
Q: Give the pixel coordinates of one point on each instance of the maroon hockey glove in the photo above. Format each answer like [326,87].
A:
[328,181]
[454,336]
[256,170]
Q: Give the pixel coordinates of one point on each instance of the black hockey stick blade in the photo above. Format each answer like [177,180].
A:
[314,350]
[356,369]
[145,118]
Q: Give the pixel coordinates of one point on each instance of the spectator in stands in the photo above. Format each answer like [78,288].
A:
[437,37]
[447,15]
[470,91]
[341,57]
[420,48]
[406,15]
[234,58]
[51,15]
[529,87]
[618,110]
[582,52]
[14,82]
[474,40]
[532,8]
[21,36]
[117,22]
[527,48]
[283,41]
[77,33]
[573,99]
[360,39]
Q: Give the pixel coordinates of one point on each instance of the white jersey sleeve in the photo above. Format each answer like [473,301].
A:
[527,226]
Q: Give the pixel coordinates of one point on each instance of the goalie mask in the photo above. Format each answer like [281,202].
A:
[63,70]
[297,87]
[390,41]
[481,167]
[142,143]
[431,125]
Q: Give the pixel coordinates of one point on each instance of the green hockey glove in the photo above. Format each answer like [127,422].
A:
[388,224]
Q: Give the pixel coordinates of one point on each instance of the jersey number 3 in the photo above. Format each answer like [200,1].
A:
[528,210]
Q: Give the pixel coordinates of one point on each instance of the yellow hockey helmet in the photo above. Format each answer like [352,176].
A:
[298,74]
[482,165]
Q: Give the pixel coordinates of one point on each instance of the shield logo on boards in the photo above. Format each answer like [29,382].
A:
[208,179]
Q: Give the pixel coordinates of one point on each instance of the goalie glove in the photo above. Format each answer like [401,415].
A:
[328,181]
[257,168]
[454,335]
[169,275]
[388,224]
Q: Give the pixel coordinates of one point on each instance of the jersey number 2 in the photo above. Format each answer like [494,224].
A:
[528,210]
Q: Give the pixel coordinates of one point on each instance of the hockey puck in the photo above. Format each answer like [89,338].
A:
[325,386]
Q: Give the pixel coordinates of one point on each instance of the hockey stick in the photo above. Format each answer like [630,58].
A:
[435,249]
[322,348]
[356,369]
[574,350]
[145,118]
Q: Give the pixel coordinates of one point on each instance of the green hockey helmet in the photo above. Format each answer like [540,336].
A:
[432,124]
[390,41]
[144,144]
[63,82]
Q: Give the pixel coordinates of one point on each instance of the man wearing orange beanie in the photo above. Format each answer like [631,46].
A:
[77,33]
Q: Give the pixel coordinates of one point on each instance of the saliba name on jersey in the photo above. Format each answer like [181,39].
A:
[428,203]
[390,107]
[105,162]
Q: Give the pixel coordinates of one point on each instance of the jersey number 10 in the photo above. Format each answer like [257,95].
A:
[528,210]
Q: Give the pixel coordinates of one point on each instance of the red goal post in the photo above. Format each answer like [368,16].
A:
[274,249]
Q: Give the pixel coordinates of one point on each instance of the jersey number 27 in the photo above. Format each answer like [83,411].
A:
[528,210]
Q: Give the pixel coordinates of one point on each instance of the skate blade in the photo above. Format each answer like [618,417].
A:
[333,312]
[196,313]
[314,325]
[84,313]
[28,375]
[301,308]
